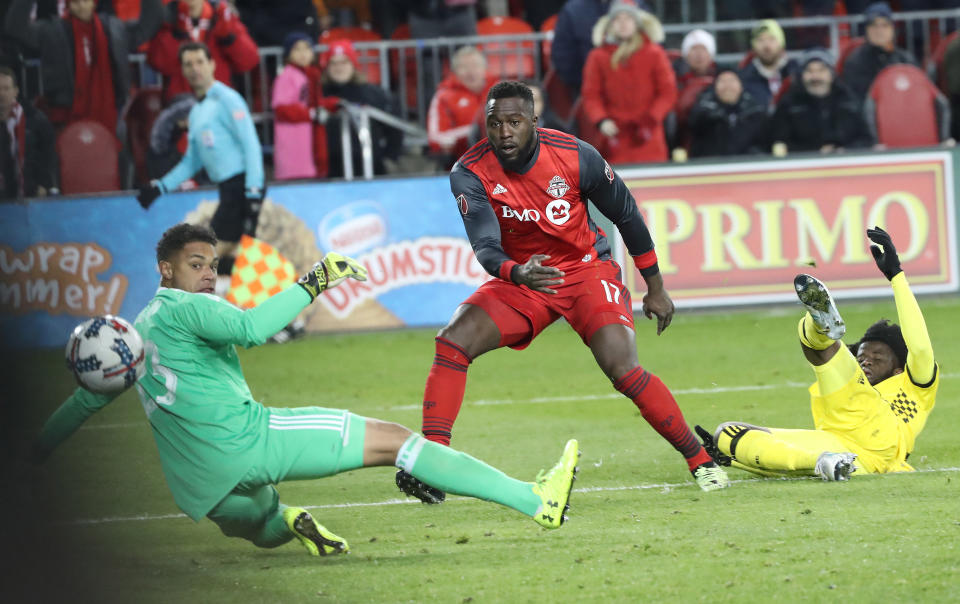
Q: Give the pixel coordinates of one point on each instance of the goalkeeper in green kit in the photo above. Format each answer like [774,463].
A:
[223,452]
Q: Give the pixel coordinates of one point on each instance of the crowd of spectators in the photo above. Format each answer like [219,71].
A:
[637,100]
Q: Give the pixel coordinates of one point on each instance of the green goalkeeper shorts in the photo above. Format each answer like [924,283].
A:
[307,442]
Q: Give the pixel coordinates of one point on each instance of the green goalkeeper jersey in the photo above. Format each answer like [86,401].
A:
[209,430]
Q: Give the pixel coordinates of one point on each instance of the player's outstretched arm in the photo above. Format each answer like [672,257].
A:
[217,321]
[67,419]
[920,359]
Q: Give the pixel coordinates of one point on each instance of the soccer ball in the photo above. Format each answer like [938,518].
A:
[105,355]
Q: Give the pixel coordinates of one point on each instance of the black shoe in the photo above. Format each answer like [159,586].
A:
[419,489]
[711,447]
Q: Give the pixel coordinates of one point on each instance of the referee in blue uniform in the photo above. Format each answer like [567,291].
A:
[223,141]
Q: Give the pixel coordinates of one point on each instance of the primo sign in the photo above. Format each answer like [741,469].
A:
[738,233]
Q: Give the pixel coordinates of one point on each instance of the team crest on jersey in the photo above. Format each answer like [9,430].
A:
[462,202]
[608,171]
[558,187]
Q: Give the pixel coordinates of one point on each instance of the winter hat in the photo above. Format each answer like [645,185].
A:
[639,10]
[291,40]
[699,36]
[624,6]
[338,48]
[816,54]
[771,27]
[877,9]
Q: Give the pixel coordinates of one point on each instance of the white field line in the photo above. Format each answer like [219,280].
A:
[390,502]
[558,399]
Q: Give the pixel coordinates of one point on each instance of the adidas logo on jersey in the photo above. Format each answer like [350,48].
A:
[499,189]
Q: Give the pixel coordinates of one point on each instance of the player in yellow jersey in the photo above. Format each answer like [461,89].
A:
[870,401]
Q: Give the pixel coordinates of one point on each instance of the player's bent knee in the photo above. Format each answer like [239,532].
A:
[472,329]
[383,441]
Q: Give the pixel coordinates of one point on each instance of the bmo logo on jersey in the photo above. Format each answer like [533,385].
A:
[557,212]
[524,215]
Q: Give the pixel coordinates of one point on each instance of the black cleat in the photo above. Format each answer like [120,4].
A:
[414,487]
[711,447]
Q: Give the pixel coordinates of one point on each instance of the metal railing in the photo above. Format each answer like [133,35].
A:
[912,24]
[360,116]
[411,69]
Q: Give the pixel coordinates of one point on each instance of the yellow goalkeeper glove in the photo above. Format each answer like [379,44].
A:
[330,272]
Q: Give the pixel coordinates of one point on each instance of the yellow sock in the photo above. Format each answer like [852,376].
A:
[759,449]
[810,337]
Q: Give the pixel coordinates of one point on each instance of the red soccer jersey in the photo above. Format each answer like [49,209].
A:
[510,216]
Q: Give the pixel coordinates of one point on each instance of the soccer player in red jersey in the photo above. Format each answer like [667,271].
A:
[523,193]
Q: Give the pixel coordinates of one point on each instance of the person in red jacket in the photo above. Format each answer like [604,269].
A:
[212,22]
[456,102]
[628,85]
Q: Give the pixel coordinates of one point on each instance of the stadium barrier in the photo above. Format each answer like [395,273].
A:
[727,233]
[412,68]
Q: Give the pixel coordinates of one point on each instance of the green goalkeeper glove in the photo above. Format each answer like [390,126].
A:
[330,272]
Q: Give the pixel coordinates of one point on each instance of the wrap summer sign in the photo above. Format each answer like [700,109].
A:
[738,233]
[59,278]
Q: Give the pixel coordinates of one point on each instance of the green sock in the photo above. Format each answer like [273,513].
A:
[274,531]
[256,516]
[454,472]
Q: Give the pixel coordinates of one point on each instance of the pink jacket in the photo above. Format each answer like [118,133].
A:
[292,141]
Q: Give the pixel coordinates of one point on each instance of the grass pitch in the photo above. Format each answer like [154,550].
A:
[96,523]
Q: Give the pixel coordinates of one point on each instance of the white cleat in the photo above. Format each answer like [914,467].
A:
[710,477]
[816,298]
[835,466]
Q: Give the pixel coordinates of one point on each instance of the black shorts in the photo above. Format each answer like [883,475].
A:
[236,215]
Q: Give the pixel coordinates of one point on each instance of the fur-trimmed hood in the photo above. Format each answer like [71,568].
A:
[646,23]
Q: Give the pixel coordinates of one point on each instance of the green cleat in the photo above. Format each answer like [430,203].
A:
[554,487]
[711,477]
[313,535]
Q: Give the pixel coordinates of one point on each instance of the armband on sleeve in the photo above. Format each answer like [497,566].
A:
[506,270]
[646,263]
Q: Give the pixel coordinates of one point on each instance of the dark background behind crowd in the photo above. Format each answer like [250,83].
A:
[612,76]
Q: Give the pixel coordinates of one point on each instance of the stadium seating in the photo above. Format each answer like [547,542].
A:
[88,158]
[548,25]
[685,102]
[502,57]
[369,58]
[560,97]
[905,90]
[409,75]
[935,62]
[586,129]
[139,115]
[846,47]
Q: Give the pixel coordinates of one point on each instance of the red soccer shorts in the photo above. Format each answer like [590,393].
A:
[589,298]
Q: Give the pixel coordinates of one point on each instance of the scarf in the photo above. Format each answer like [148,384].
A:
[195,29]
[93,94]
[772,74]
[15,127]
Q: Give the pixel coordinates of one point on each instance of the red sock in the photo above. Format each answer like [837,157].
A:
[659,408]
[444,392]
